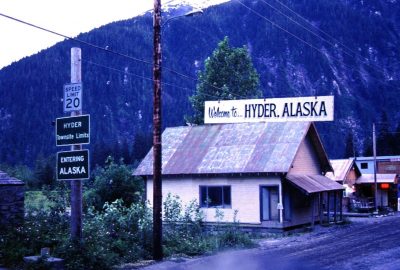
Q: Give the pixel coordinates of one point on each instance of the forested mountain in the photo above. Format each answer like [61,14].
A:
[353,55]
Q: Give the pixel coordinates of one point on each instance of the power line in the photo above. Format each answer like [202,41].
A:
[109,51]
[305,42]
[323,32]
[310,24]
[132,74]
[76,39]
[355,54]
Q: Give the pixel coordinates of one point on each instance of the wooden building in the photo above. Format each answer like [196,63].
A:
[271,174]
[12,196]
[345,171]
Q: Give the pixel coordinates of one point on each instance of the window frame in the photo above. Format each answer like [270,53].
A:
[224,205]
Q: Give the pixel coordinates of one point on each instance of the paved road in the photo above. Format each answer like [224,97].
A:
[369,243]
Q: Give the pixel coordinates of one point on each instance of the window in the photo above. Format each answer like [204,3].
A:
[215,196]
[364,165]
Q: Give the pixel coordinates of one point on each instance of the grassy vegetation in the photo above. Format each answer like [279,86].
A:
[37,200]
[117,233]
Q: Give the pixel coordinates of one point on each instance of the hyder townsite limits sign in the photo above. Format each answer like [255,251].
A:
[73,130]
[316,108]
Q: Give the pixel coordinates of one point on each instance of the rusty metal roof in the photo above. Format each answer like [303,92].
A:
[229,148]
[313,183]
[7,180]
[341,167]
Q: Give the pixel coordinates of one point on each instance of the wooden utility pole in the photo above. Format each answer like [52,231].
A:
[157,181]
[76,185]
[375,182]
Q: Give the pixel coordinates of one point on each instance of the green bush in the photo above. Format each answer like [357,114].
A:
[119,232]
[183,228]
[46,227]
[116,235]
[114,181]
[184,231]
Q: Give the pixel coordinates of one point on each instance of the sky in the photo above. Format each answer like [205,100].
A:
[68,17]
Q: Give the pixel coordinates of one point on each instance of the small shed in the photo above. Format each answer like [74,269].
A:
[270,174]
[12,195]
[345,171]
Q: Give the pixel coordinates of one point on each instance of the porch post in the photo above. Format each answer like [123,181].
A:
[320,197]
[312,210]
[328,207]
[341,205]
[280,205]
[335,206]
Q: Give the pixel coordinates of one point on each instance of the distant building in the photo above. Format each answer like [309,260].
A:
[271,173]
[357,176]
[388,172]
[345,171]
[385,164]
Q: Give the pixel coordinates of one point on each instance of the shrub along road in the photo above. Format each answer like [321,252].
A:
[365,243]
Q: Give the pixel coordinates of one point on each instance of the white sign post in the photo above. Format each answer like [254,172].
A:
[320,108]
[72,97]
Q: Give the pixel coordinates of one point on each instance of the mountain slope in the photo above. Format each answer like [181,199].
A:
[363,76]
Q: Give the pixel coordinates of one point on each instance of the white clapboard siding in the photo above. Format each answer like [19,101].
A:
[244,194]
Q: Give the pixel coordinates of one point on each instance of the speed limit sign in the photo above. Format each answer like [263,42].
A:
[72,97]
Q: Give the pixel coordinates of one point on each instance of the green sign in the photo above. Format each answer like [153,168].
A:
[73,130]
[73,165]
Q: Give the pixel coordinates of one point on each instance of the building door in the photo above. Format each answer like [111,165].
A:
[269,202]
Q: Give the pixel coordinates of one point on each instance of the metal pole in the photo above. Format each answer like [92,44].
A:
[157,184]
[76,185]
[375,182]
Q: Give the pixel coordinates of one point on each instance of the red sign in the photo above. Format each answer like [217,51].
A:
[384,186]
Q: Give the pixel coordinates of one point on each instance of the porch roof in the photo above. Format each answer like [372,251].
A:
[313,183]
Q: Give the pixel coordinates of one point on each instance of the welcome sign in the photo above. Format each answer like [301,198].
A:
[320,108]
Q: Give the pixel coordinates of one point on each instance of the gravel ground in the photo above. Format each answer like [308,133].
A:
[364,243]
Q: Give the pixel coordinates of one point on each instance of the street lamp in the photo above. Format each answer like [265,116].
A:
[191,13]
[157,155]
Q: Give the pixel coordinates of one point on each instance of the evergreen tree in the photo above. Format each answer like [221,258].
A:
[126,155]
[101,151]
[141,145]
[228,74]
[396,141]
[384,139]
[44,171]
[368,149]
[350,150]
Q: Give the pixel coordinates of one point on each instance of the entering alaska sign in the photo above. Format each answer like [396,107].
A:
[73,165]
[320,108]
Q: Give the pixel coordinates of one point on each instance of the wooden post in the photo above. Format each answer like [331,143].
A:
[312,210]
[320,196]
[76,185]
[328,207]
[157,181]
[341,205]
[335,206]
